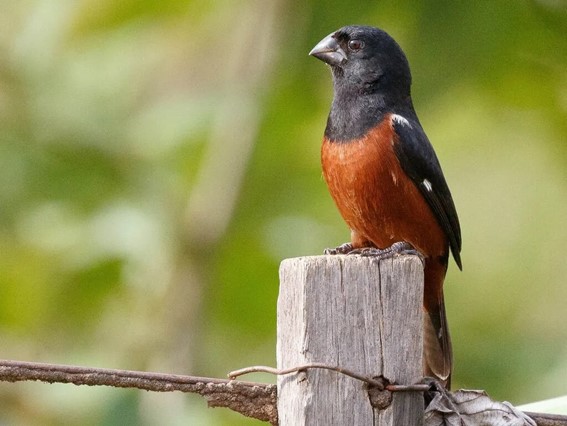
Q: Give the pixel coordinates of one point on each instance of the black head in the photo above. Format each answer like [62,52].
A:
[365,60]
[371,78]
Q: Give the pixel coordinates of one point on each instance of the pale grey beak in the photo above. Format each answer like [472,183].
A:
[328,50]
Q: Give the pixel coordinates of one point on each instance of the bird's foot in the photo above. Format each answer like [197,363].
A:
[396,249]
[345,248]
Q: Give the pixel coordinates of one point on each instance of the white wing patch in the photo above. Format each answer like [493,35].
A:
[401,120]
[427,185]
[394,178]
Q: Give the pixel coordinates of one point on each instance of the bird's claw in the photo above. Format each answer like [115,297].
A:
[395,249]
[345,248]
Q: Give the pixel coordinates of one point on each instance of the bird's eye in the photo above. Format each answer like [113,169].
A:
[355,45]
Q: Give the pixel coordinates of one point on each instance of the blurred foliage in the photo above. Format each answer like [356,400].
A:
[158,160]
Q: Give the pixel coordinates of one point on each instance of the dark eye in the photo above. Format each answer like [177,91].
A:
[355,45]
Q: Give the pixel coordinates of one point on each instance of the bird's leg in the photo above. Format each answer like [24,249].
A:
[358,241]
[398,248]
[345,248]
[364,247]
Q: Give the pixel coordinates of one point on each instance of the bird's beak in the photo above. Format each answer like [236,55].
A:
[329,51]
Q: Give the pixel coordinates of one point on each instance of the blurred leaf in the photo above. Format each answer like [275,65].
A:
[104,15]
[24,287]
[83,294]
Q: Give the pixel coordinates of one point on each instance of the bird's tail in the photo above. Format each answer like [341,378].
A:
[437,351]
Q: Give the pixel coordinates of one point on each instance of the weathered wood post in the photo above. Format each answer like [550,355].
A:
[357,313]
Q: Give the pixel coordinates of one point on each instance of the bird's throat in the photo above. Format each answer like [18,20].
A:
[352,116]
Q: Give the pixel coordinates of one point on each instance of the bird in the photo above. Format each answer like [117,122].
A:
[383,174]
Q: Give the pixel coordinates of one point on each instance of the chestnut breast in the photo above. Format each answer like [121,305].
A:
[375,197]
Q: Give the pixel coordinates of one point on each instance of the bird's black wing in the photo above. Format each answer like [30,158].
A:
[419,162]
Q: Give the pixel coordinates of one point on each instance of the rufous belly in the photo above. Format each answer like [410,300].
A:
[378,201]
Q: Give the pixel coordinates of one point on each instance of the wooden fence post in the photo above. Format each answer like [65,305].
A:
[356,313]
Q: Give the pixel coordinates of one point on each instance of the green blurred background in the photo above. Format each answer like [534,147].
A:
[159,159]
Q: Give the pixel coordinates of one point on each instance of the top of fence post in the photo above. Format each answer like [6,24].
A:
[352,312]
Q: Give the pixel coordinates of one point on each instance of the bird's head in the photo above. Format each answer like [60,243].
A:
[365,60]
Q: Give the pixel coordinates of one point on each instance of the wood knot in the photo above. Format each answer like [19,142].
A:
[379,397]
